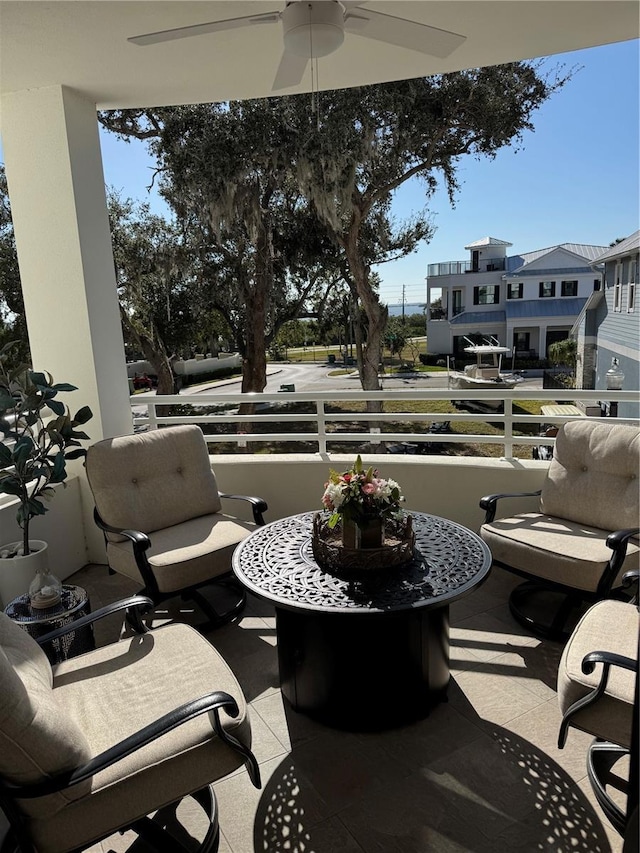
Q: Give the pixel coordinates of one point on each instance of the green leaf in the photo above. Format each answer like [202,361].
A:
[81,435]
[64,386]
[5,455]
[58,473]
[39,378]
[22,449]
[56,407]
[11,486]
[36,507]
[83,415]
[78,453]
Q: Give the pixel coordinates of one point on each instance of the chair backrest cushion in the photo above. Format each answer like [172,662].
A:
[37,736]
[154,479]
[593,476]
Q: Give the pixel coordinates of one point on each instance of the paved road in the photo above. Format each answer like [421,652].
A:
[316,377]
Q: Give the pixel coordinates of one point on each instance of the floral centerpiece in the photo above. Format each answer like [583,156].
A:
[363,525]
[361,496]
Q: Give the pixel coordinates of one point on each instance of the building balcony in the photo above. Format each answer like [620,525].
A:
[484,761]
[462,267]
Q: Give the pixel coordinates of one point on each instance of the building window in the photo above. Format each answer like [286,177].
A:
[633,281]
[515,290]
[569,288]
[617,287]
[597,284]
[547,288]
[486,295]
[521,342]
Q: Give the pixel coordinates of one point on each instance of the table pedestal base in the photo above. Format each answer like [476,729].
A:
[364,672]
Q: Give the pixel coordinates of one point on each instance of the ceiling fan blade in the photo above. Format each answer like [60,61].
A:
[201,29]
[399,31]
[290,71]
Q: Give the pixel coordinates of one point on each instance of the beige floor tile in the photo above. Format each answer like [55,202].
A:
[540,726]
[291,728]
[482,696]
[419,745]
[282,813]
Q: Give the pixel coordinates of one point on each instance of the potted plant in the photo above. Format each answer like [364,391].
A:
[38,437]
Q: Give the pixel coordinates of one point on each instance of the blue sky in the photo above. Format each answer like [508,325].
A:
[575,180]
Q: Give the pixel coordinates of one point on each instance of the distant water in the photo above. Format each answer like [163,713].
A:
[395,310]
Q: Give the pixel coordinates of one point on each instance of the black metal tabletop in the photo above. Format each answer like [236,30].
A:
[276,563]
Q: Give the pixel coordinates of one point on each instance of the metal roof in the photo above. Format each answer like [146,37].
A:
[584,250]
[542,271]
[488,241]
[564,307]
[626,247]
[476,318]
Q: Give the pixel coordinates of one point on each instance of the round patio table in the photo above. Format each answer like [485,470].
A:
[370,651]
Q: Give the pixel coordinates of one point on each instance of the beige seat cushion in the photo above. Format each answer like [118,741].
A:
[611,626]
[152,480]
[554,549]
[114,691]
[593,476]
[37,737]
[186,554]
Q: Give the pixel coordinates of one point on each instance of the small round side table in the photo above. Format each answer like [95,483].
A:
[38,622]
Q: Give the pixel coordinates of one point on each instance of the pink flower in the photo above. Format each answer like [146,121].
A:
[368,489]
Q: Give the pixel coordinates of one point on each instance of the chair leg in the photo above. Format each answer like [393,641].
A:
[600,760]
[152,832]
[216,618]
[557,627]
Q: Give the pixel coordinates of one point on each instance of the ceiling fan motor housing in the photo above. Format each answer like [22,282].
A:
[313,29]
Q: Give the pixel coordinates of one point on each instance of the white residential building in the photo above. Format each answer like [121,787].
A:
[526,301]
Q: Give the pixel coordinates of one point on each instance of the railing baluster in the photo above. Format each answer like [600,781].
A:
[508,428]
[322,427]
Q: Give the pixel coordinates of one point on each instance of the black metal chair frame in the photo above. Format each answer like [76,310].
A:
[18,838]
[571,597]
[603,754]
[141,543]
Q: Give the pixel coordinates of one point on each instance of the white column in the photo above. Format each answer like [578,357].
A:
[542,340]
[56,186]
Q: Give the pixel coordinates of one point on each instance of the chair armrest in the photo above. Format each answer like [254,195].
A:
[589,661]
[489,502]
[137,602]
[140,542]
[139,539]
[211,702]
[258,505]
[619,538]
[617,541]
[609,659]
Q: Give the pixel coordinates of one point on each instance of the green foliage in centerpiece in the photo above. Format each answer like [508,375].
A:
[360,495]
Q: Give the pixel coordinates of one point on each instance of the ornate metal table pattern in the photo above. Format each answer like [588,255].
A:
[74,604]
[343,641]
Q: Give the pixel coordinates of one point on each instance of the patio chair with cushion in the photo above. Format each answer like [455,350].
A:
[598,693]
[582,537]
[158,504]
[97,743]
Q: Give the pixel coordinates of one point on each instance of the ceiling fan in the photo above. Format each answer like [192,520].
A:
[316,29]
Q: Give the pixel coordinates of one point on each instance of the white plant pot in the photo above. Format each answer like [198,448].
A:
[16,573]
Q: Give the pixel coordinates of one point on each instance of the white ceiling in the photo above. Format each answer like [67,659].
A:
[84,45]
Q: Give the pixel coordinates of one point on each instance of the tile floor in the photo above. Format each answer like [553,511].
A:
[481,773]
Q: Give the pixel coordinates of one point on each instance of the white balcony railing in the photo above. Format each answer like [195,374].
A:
[379,426]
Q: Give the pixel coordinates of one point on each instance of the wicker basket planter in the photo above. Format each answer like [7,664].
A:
[332,554]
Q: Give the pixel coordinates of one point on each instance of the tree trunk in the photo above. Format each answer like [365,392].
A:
[376,317]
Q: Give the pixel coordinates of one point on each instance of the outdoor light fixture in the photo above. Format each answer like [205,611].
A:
[614,378]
